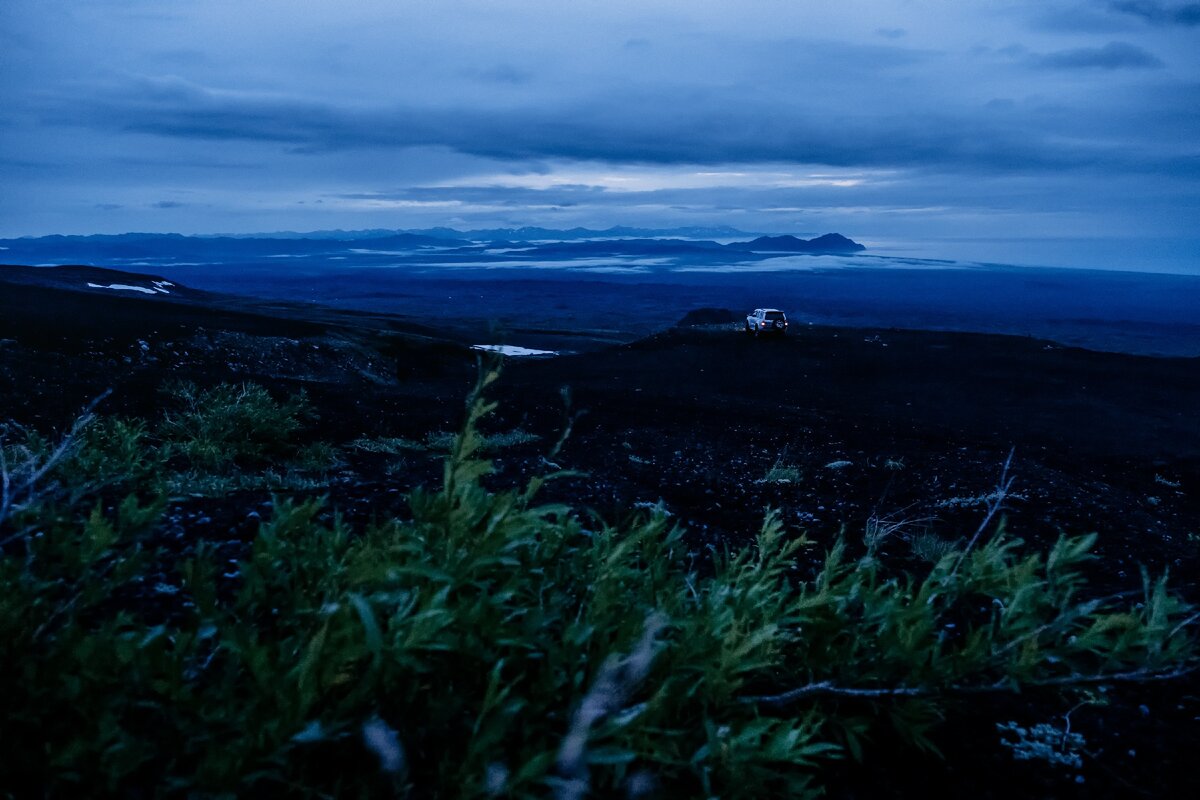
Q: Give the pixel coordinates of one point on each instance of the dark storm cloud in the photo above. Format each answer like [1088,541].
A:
[895,191]
[1082,18]
[1107,16]
[714,126]
[1159,13]
[1114,55]
[167,204]
[561,194]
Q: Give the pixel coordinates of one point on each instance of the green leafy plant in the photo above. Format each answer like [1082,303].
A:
[782,473]
[97,457]
[491,645]
[931,547]
[232,425]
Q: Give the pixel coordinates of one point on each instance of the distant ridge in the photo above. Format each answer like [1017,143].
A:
[444,245]
[207,239]
[829,243]
[515,234]
[176,247]
[441,237]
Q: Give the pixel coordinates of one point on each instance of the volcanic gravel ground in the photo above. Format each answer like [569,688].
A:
[910,429]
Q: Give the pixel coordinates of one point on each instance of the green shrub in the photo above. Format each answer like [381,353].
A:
[114,453]
[930,547]
[232,425]
[387,445]
[499,441]
[208,484]
[782,473]
[98,456]
[491,646]
[315,457]
[443,441]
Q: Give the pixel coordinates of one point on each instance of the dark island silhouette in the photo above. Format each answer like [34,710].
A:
[829,243]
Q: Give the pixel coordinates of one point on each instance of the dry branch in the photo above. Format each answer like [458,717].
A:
[831,689]
[21,484]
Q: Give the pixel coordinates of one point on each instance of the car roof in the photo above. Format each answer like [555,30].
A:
[770,309]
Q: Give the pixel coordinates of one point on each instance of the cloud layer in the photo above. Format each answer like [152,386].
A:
[1114,55]
[1073,116]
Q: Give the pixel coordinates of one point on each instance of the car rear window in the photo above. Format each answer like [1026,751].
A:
[774,315]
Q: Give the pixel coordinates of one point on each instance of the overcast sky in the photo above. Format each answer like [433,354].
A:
[1049,131]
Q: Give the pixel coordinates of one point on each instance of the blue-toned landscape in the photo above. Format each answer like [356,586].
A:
[490,399]
[544,287]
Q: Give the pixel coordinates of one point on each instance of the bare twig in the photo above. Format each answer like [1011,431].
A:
[884,526]
[20,486]
[1189,621]
[5,482]
[617,679]
[994,502]
[68,441]
[570,417]
[831,689]
[1067,721]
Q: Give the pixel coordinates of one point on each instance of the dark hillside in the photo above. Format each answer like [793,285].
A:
[843,430]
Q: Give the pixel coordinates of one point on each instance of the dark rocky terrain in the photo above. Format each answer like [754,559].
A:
[841,429]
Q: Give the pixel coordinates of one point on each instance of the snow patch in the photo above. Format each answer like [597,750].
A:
[513,350]
[123,287]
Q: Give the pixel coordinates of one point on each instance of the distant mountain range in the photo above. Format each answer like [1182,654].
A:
[510,246]
[830,243]
[516,234]
[177,247]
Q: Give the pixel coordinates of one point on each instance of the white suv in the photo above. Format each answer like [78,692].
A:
[767,320]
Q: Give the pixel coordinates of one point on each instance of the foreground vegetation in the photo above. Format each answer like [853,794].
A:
[488,644]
